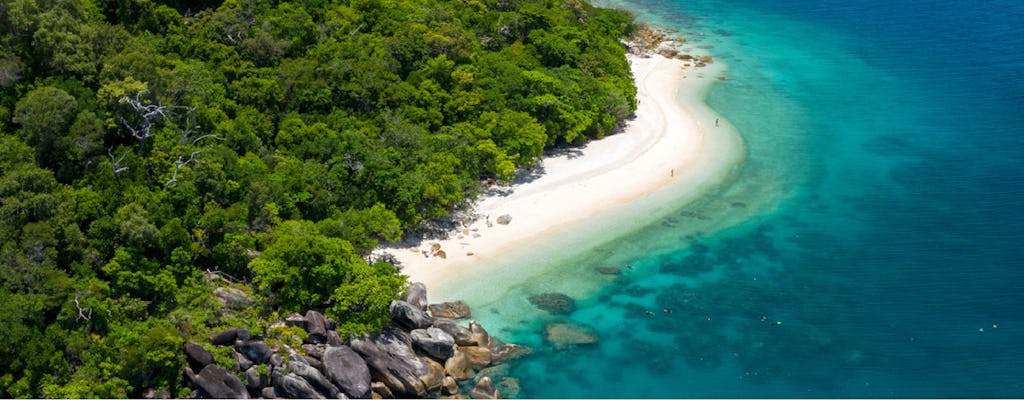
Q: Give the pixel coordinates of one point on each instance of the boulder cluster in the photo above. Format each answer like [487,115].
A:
[418,354]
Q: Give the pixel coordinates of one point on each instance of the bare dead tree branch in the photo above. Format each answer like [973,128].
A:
[117,163]
[207,136]
[82,311]
[177,167]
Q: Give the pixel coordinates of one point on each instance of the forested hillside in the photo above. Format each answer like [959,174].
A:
[144,142]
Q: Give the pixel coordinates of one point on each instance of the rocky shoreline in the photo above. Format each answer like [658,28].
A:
[422,352]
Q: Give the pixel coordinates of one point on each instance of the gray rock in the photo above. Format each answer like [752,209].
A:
[462,335]
[225,338]
[243,334]
[435,342]
[232,297]
[480,335]
[485,389]
[217,383]
[314,350]
[409,316]
[316,325]
[453,310]
[292,386]
[242,363]
[504,352]
[392,361]
[256,351]
[254,380]
[151,393]
[504,219]
[314,378]
[197,356]
[416,294]
[295,319]
[268,393]
[347,371]
[334,339]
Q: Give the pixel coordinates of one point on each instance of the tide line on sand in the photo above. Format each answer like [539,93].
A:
[674,144]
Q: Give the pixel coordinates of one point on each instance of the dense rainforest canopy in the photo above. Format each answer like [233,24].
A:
[146,142]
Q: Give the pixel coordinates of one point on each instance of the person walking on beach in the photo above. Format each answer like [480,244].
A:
[716,121]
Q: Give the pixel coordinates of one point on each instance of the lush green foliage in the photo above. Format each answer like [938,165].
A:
[144,142]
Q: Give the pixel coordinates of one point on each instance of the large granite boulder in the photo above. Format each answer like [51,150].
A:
[555,303]
[294,387]
[485,389]
[564,334]
[416,295]
[314,378]
[254,380]
[241,362]
[409,316]
[453,310]
[392,361]
[457,366]
[480,335]
[316,325]
[228,336]
[435,342]
[479,357]
[296,319]
[347,370]
[197,356]
[255,350]
[214,382]
[462,335]
[232,298]
[449,386]
[504,352]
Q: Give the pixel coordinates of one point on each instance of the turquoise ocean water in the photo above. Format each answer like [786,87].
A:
[880,239]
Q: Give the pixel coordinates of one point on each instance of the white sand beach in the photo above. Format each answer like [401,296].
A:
[675,141]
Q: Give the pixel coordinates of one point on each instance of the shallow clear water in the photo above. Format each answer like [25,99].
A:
[880,244]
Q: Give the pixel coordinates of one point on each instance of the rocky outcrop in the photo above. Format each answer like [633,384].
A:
[485,389]
[256,351]
[228,337]
[462,335]
[232,298]
[197,356]
[214,382]
[314,378]
[416,295]
[451,310]
[435,342]
[416,355]
[562,334]
[393,362]
[294,387]
[479,357]
[506,352]
[316,327]
[555,303]
[409,316]
[347,371]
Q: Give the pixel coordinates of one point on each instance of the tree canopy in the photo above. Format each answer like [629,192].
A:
[147,143]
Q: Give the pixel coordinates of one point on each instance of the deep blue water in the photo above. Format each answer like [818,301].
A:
[886,140]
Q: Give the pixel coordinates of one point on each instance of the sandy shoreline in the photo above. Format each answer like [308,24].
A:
[666,145]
